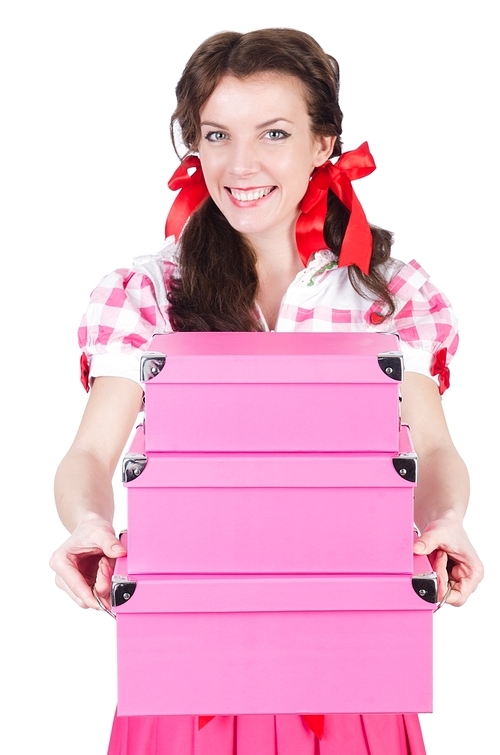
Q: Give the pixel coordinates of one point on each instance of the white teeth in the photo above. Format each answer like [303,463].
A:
[249,196]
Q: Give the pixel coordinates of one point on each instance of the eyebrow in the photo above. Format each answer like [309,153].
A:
[259,125]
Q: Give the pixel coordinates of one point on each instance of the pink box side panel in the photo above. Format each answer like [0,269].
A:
[290,662]
[263,417]
[270,530]
[363,458]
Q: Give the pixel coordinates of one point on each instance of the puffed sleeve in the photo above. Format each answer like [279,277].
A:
[425,323]
[120,320]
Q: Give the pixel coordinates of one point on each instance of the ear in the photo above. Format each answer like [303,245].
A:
[323,149]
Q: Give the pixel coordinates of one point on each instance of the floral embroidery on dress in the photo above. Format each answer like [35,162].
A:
[320,264]
[328,266]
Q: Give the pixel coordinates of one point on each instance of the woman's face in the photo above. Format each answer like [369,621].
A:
[257,151]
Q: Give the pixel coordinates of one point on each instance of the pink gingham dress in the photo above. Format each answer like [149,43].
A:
[129,305]
[125,309]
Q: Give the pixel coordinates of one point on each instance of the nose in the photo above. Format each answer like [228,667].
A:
[244,160]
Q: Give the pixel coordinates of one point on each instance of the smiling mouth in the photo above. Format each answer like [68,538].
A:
[251,195]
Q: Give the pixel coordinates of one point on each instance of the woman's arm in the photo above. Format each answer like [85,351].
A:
[442,492]
[83,490]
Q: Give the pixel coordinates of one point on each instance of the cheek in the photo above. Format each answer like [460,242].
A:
[212,169]
[213,175]
[298,177]
[300,164]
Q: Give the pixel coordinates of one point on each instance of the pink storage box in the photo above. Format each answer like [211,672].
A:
[272,392]
[270,513]
[273,644]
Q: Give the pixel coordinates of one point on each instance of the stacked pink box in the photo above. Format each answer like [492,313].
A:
[269,558]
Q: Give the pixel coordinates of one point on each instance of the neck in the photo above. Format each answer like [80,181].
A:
[277,257]
[281,265]
[277,266]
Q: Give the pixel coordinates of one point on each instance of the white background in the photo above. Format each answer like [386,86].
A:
[87,92]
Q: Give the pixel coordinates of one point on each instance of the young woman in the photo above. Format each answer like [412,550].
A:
[272,237]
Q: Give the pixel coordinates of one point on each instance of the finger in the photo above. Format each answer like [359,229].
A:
[109,544]
[458,594]
[102,585]
[464,583]
[69,579]
[63,586]
[426,543]
[439,560]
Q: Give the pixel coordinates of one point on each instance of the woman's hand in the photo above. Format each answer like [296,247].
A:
[84,494]
[86,559]
[452,557]
[442,492]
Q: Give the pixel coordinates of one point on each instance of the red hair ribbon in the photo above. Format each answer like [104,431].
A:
[193,191]
[439,367]
[356,247]
[314,723]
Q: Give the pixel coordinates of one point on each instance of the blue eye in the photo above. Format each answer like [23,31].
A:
[276,134]
[215,136]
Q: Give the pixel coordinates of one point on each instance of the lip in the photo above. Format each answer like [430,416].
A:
[239,202]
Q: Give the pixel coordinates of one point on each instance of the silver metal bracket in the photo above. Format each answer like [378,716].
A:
[122,590]
[426,586]
[406,466]
[132,466]
[152,363]
[391,364]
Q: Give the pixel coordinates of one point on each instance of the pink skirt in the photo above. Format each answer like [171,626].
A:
[343,734]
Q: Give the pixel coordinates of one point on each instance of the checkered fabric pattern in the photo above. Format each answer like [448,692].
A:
[129,305]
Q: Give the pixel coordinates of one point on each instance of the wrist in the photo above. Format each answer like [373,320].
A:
[93,518]
[448,516]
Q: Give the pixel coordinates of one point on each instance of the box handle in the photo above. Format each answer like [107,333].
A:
[101,605]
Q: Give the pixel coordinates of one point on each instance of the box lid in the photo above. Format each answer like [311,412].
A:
[243,470]
[265,357]
[240,593]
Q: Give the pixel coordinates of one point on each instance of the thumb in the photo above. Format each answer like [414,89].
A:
[426,543]
[111,546]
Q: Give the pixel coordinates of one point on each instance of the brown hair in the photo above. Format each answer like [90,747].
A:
[218,280]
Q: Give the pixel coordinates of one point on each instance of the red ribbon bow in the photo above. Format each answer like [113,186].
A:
[314,723]
[356,247]
[439,367]
[193,191]
[84,371]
